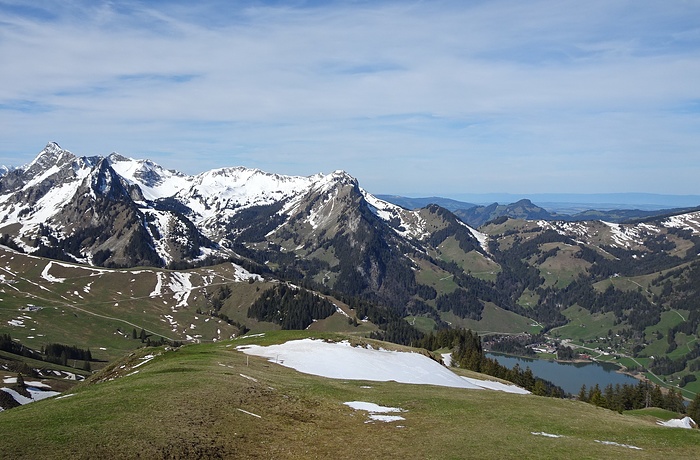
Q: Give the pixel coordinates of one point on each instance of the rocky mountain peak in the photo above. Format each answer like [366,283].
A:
[51,155]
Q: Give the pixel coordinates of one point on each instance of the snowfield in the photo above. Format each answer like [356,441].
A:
[343,361]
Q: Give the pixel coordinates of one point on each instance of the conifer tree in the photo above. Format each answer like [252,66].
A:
[694,409]
[539,388]
[583,394]
[595,396]
[20,381]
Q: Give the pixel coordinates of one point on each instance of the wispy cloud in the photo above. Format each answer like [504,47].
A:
[410,97]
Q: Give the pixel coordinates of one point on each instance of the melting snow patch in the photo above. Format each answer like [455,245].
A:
[447,359]
[181,286]
[377,412]
[249,413]
[546,435]
[341,311]
[51,279]
[36,395]
[497,386]
[685,422]
[249,378]
[159,285]
[144,360]
[343,361]
[241,274]
[611,443]
[253,335]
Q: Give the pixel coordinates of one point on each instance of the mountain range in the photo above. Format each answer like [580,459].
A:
[117,212]
[477,215]
[630,287]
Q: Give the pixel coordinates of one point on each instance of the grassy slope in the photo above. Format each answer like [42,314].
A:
[99,309]
[472,262]
[186,403]
[494,319]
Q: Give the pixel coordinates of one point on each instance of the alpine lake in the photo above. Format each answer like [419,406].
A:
[569,376]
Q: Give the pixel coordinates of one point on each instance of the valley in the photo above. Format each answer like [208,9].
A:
[102,259]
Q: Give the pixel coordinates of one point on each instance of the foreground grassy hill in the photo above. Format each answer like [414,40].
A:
[212,401]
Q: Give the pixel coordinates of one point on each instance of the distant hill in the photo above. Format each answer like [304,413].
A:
[523,209]
[477,215]
[417,203]
[572,203]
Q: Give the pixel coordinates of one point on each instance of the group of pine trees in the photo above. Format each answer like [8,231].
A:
[629,397]
[53,352]
[16,348]
[290,307]
[60,354]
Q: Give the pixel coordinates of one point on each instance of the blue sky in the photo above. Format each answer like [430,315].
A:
[411,97]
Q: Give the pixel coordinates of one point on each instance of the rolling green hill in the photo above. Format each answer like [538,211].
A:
[211,401]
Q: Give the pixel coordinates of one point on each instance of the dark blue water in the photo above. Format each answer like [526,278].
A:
[569,376]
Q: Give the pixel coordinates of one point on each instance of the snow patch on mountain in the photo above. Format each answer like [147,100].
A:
[158,289]
[48,277]
[181,287]
[482,238]
[47,206]
[241,274]
[232,188]
[689,221]
[621,235]
[154,181]
[572,229]
[159,226]
[404,222]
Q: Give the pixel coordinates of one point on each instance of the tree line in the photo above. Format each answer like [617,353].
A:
[631,397]
[468,353]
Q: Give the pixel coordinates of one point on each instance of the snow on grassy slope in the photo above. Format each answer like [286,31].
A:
[343,361]
[689,221]
[685,422]
[377,412]
[36,395]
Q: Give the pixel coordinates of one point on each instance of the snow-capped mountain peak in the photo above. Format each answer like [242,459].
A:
[51,156]
[154,181]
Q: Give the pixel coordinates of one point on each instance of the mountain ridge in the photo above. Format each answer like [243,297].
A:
[119,212]
[631,284]
[477,215]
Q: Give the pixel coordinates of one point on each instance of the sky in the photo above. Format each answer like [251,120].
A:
[416,98]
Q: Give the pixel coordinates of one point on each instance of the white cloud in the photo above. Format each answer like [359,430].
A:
[483,96]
